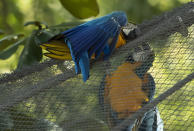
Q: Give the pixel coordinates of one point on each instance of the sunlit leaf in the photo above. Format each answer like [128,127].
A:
[9,40]
[31,52]
[11,49]
[81,8]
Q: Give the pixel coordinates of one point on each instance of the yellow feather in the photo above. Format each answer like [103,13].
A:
[64,49]
[138,107]
[43,47]
[59,57]
[120,41]
[57,52]
[55,43]
[147,100]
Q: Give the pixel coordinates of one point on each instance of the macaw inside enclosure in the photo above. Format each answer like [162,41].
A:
[86,65]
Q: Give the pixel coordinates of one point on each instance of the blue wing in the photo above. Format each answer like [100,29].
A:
[92,38]
[151,120]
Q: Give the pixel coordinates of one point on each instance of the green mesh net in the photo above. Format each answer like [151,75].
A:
[50,96]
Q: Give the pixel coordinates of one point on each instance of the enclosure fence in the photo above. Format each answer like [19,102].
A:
[50,96]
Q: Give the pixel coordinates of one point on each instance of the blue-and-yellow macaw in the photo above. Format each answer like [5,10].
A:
[128,88]
[86,40]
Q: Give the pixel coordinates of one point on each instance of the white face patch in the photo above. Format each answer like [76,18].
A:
[129,27]
[126,31]
[137,56]
[141,56]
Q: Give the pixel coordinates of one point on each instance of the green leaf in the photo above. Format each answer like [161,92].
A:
[45,35]
[11,49]
[57,29]
[31,52]
[81,8]
[9,40]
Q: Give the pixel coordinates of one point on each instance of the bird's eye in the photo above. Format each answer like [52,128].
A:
[137,49]
[145,46]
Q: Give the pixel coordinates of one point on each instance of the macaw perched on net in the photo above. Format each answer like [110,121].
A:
[88,39]
[130,87]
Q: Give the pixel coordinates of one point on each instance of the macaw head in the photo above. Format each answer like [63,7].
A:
[141,54]
[144,56]
[130,32]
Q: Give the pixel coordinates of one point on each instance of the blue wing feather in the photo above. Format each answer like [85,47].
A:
[106,50]
[85,42]
[84,65]
[99,47]
[103,41]
[98,42]
[77,68]
[114,41]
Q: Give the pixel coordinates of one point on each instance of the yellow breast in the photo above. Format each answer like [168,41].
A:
[124,90]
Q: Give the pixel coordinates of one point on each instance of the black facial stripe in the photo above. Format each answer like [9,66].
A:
[130,59]
[132,35]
